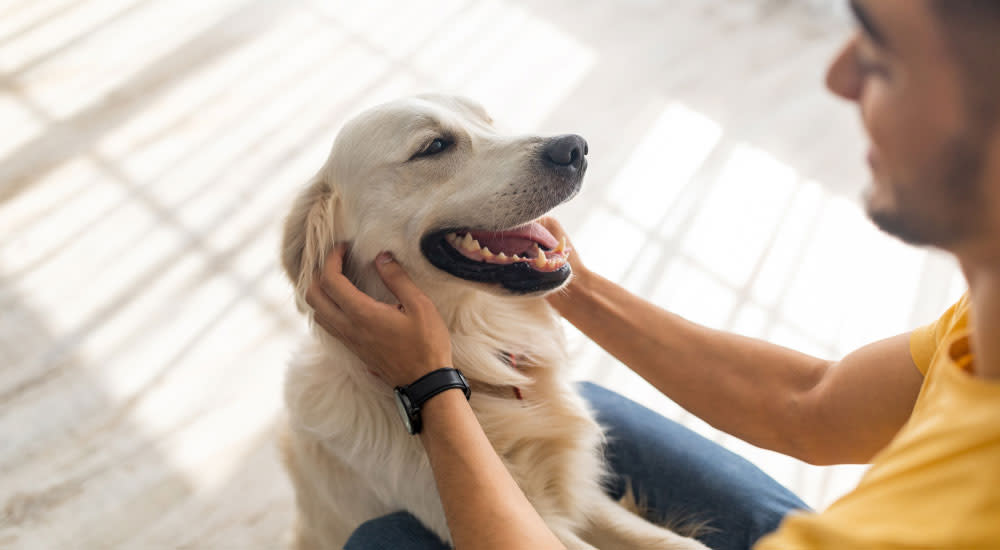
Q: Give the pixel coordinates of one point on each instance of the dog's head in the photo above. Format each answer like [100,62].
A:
[431,180]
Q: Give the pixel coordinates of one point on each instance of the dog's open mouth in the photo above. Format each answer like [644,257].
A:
[525,244]
[523,259]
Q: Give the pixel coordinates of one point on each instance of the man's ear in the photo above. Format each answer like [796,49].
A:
[311,230]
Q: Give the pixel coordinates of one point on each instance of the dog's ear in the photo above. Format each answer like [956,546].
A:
[311,230]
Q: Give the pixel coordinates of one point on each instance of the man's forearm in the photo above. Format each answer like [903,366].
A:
[749,388]
[484,506]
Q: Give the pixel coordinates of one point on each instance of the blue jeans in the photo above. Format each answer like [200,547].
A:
[674,472]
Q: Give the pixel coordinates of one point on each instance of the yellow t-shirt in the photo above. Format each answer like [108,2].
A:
[936,486]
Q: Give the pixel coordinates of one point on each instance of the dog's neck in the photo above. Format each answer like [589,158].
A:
[486,329]
[450,299]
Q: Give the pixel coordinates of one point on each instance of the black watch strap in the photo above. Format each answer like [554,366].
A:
[410,399]
[435,382]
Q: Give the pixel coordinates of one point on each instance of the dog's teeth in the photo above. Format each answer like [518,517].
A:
[502,257]
[470,244]
[486,252]
[540,260]
[562,245]
[556,261]
[516,258]
[452,238]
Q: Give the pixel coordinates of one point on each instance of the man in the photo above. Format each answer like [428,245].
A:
[923,408]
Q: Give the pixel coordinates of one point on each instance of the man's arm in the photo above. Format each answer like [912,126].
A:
[861,401]
[484,506]
[819,411]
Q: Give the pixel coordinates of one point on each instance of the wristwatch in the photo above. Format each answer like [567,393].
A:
[410,398]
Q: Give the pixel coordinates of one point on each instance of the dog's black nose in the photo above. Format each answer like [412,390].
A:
[567,150]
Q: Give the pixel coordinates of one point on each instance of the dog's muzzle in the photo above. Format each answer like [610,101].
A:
[526,258]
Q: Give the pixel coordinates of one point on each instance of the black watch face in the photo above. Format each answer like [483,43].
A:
[403,406]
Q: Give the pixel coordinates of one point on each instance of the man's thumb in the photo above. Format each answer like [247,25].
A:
[396,279]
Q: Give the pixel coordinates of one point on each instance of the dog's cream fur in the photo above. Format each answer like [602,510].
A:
[345,448]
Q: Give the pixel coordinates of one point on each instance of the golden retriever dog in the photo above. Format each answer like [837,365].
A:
[431,180]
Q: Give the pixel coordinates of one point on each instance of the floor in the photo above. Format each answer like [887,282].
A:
[151,148]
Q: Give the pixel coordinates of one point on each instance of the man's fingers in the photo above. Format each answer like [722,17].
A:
[553,225]
[328,314]
[335,258]
[340,289]
[397,281]
[557,230]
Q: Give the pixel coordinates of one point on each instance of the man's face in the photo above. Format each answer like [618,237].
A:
[927,155]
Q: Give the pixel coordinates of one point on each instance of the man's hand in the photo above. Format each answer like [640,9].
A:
[400,342]
[580,272]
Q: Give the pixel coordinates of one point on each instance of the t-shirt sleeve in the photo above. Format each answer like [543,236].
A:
[925,340]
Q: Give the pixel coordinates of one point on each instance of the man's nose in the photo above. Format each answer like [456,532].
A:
[843,77]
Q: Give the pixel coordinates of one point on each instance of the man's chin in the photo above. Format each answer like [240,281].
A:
[892,225]
[886,216]
[910,228]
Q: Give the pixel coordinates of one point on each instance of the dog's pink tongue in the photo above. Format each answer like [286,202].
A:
[517,240]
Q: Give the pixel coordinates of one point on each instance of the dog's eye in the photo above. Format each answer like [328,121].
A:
[433,148]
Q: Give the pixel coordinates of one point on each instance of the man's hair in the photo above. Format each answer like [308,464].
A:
[972,30]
